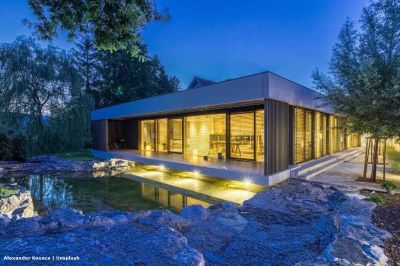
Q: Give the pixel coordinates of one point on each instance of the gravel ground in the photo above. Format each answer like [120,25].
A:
[387,216]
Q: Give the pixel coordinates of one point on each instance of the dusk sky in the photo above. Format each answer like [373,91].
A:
[218,40]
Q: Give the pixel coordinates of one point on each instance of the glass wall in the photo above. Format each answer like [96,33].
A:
[242,135]
[333,134]
[205,135]
[320,135]
[162,135]
[260,135]
[302,135]
[175,135]
[147,135]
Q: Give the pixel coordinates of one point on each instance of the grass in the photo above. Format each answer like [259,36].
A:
[375,198]
[77,155]
[6,192]
[394,160]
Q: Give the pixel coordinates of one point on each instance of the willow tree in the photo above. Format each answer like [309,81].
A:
[363,83]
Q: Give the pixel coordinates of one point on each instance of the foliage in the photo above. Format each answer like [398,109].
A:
[123,79]
[394,160]
[19,148]
[388,184]
[5,148]
[40,86]
[6,192]
[115,25]
[118,77]
[375,198]
[364,80]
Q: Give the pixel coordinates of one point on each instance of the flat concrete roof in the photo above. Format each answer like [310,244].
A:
[242,91]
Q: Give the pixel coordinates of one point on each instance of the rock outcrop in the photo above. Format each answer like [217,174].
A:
[17,206]
[298,223]
[49,164]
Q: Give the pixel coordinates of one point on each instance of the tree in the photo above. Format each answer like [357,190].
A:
[363,84]
[86,61]
[33,81]
[122,78]
[115,25]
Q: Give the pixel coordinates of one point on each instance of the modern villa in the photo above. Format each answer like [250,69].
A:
[256,127]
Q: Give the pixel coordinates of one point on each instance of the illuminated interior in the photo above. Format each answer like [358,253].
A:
[147,133]
[175,135]
[303,135]
[320,134]
[260,135]
[333,133]
[205,135]
[242,135]
[162,135]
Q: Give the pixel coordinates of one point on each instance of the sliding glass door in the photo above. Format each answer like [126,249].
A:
[302,135]
[205,135]
[242,135]
[147,135]
[175,134]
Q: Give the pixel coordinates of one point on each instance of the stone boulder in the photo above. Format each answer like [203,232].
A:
[17,206]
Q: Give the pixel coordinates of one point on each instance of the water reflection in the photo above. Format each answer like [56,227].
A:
[102,193]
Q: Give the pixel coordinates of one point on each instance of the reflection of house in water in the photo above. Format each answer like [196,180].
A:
[168,199]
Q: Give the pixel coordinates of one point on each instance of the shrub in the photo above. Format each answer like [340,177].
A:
[19,146]
[375,198]
[5,148]
[388,184]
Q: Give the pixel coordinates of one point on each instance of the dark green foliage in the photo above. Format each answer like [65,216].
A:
[375,198]
[115,25]
[364,80]
[113,78]
[388,184]
[19,148]
[122,78]
[5,148]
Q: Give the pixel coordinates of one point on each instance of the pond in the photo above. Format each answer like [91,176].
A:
[101,194]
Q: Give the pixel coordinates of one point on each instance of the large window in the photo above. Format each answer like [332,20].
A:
[147,135]
[205,135]
[332,134]
[320,135]
[242,135]
[175,135]
[162,135]
[303,135]
[260,135]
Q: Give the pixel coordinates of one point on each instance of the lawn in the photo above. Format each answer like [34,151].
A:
[394,160]
[6,192]
[78,155]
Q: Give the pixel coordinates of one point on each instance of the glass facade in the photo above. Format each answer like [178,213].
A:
[302,135]
[260,135]
[175,135]
[162,135]
[242,135]
[148,136]
[205,135]
[320,135]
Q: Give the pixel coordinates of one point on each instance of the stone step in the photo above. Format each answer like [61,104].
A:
[324,165]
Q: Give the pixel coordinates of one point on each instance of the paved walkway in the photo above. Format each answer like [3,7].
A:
[348,173]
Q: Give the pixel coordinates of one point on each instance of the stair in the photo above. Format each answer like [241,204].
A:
[315,167]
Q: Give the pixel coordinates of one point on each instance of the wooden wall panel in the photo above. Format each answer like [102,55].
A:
[276,136]
[99,129]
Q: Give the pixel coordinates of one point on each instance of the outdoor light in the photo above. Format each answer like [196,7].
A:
[196,172]
[161,167]
[247,181]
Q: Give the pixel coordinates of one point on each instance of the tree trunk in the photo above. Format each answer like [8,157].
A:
[374,160]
